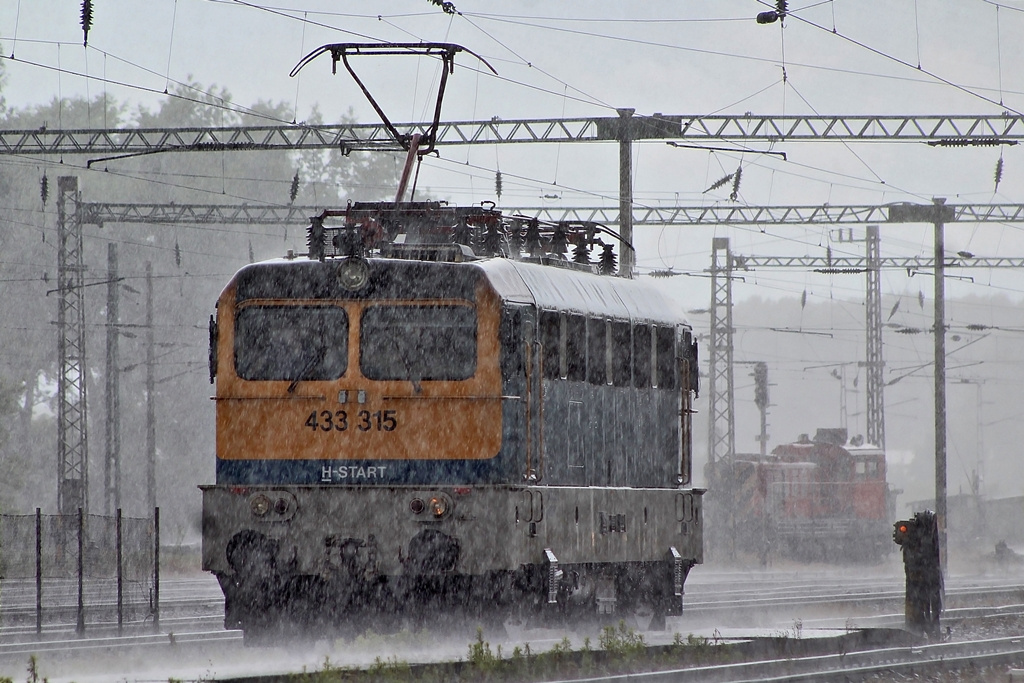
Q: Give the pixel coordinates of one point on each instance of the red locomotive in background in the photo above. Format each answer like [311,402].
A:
[824,499]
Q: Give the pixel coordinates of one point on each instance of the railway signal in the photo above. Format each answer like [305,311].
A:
[919,539]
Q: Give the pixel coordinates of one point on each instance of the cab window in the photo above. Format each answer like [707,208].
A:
[291,342]
[416,343]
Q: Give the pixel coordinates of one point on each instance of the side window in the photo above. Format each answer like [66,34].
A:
[511,343]
[621,354]
[550,337]
[665,342]
[641,356]
[596,349]
[563,359]
[576,348]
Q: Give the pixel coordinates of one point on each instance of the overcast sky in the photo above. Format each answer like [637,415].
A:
[586,59]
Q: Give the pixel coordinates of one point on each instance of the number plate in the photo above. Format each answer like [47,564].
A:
[360,421]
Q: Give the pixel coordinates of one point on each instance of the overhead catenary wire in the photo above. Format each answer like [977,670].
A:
[973,92]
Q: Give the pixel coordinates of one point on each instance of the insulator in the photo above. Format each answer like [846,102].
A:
[293,192]
[533,246]
[999,172]
[559,240]
[736,184]
[840,271]
[969,142]
[177,254]
[608,262]
[315,239]
[719,183]
[515,238]
[781,8]
[462,234]
[44,189]
[581,252]
[446,6]
[497,184]
[86,21]
[252,257]
[492,239]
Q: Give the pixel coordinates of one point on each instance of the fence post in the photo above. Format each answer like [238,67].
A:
[120,575]
[156,569]
[80,628]
[39,570]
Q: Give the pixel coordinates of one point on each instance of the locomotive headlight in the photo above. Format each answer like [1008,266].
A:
[259,504]
[439,506]
[353,273]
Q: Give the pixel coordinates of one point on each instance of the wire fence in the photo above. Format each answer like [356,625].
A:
[82,569]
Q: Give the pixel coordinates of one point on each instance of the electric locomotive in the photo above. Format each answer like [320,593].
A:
[824,498]
[438,412]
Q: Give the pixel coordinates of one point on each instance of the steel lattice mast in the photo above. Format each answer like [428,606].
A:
[721,420]
[874,362]
[72,443]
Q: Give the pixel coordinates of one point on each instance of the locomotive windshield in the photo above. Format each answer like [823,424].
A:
[418,342]
[291,342]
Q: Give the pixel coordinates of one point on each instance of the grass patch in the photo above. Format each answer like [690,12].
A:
[621,649]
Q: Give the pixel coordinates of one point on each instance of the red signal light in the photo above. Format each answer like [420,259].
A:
[902,531]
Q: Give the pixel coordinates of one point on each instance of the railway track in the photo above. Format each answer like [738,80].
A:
[917,661]
[791,606]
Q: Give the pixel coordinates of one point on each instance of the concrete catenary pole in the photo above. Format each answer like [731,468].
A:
[626,257]
[940,377]
[150,398]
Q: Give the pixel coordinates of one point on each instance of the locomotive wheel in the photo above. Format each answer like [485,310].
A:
[306,604]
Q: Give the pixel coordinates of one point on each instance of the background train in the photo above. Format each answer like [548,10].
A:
[407,429]
[825,499]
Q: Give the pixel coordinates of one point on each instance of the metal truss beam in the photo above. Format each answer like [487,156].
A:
[724,214]
[943,130]
[838,265]
[202,214]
